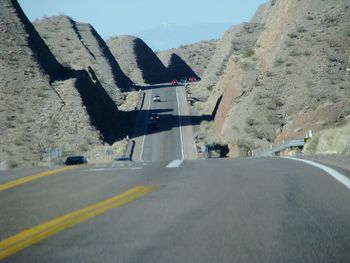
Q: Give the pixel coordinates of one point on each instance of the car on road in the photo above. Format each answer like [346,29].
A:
[122,158]
[174,82]
[152,124]
[77,159]
[156,98]
[153,116]
[192,79]
[183,80]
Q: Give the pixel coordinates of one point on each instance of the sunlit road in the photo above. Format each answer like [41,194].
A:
[243,210]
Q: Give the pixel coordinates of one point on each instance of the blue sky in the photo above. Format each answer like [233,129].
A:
[120,17]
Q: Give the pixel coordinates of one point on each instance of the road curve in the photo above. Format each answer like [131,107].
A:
[242,210]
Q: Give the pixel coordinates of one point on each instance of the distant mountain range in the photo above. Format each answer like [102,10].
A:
[169,36]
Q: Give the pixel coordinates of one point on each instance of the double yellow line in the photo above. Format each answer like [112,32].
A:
[34,235]
[33,177]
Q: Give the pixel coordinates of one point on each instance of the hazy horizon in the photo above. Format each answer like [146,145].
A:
[134,17]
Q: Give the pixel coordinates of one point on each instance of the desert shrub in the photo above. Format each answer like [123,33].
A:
[301,29]
[251,122]
[292,35]
[12,164]
[269,74]
[289,43]
[294,53]
[248,52]
[255,132]
[18,142]
[329,20]
[309,84]
[332,59]
[274,104]
[210,88]
[273,119]
[84,147]
[278,62]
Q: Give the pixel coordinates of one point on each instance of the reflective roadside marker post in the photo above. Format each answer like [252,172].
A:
[50,157]
[54,152]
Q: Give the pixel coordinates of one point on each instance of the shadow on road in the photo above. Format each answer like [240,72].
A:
[166,122]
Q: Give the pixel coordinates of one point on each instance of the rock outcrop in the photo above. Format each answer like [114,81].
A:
[196,55]
[42,103]
[138,61]
[177,66]
[280,75]
[79,46]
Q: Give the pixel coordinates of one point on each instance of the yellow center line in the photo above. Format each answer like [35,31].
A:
[33,177]
[34,235]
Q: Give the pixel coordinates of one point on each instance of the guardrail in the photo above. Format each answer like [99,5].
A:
[277,149]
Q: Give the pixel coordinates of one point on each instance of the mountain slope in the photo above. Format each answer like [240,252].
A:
[196,55]
[289,78]
[42,103]
[177,67]
[138,61]
[79,46]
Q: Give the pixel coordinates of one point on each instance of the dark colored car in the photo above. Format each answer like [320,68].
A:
[183,80]
[152,124]
[73,160]
[122,158]
[153,116]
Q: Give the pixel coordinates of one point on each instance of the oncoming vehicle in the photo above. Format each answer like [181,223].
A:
[156,98]
[174,82]
[73,160]
[183,80]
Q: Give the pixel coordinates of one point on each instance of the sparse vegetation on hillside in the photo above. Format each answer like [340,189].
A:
[284,79]
[78,46]
[138,61]
[196,55]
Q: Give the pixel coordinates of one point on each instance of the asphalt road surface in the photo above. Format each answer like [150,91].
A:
[173,138]
[167,207]
[242,210]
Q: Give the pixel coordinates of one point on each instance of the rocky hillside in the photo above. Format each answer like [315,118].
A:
[79,46]
[282,74]
[177,67]
[138,61]
[42,103]
[196,55]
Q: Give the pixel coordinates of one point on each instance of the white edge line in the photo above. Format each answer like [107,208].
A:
[111,169]
[336,175]
[174,164]
[145,131]
[180,124]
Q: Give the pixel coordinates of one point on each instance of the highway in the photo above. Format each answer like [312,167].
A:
[173,139]
[168,207]
[242,210]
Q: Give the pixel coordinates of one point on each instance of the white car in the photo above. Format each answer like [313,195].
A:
[156,98]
